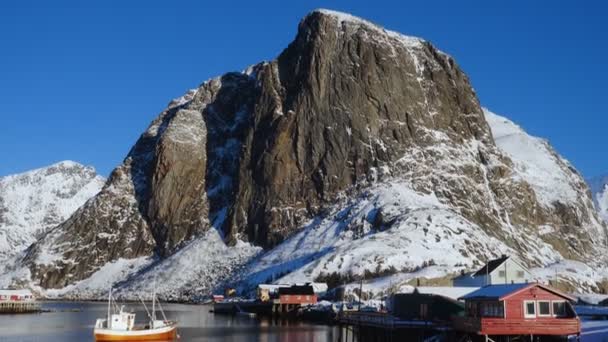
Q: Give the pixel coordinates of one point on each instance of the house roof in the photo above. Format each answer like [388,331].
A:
[297,290]
[491,266]
[497,292]
[4,292]
[445,291]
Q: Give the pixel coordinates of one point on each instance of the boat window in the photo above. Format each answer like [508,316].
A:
[559,308]
[501,274]
[544,308]
[529,309]
[520,274]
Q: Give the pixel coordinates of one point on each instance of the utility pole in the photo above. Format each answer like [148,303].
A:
[360,293]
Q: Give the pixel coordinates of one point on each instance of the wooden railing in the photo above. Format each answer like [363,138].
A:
[501,326]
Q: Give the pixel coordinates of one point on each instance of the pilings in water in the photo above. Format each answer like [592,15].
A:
[12,307]
[284,309]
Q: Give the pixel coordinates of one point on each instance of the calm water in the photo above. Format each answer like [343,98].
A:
[196,323]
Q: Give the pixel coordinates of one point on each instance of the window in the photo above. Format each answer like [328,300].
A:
[544,308]
[501,274]
[529,309]
[472,309]
[559,308]
[520,274]
[492,309]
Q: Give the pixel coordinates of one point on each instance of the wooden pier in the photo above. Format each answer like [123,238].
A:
[383,327]
[17,301]
[19,307]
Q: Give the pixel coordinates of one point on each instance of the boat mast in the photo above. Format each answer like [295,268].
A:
[154,302]
[109,306]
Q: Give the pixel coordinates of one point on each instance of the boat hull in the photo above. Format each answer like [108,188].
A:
[160,334]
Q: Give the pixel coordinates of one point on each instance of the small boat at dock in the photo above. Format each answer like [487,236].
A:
[119,325]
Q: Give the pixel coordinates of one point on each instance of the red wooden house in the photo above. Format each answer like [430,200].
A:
[518,309]
[297,294]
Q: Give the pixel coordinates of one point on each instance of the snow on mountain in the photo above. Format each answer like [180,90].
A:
[425,237]
[599,189]
[35,201]
[535,161]
[555,181]
[358,153]
[351,242]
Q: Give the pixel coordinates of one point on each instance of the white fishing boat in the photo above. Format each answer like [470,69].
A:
[120,325]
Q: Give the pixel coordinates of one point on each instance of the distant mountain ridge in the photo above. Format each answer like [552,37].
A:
[35,201]
[357,153]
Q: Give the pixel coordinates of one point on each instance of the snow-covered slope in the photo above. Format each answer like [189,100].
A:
[357,153]
[535,161]
[34,201]
[599,189]
[421,236]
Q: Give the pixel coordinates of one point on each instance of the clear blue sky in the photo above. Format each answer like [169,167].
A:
[81,80]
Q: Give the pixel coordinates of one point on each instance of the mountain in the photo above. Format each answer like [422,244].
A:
[33,202]
[599,189]
[357,153]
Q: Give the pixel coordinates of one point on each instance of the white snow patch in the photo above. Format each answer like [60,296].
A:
[535,161]
[35,201]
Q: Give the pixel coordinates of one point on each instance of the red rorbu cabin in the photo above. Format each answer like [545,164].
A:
[518,309]
[297,294]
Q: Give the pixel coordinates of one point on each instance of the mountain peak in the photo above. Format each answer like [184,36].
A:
[37,200]
[342,19]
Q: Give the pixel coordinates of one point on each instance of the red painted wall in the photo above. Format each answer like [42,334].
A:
[514,304]
[298,299]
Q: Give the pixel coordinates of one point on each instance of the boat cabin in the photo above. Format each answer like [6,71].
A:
[123,321]
[518,309]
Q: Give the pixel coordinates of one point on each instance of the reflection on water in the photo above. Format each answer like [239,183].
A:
[75,321]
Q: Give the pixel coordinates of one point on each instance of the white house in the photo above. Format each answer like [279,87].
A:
[503,270]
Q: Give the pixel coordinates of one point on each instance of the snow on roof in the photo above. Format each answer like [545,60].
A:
[445,291]
[15,293]
[495,291]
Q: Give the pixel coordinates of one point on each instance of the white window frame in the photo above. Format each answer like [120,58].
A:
[553,314]
[526,314]
[538,308]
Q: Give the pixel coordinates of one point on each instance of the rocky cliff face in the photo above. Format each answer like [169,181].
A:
[33,202]
[599,189]
[347,106]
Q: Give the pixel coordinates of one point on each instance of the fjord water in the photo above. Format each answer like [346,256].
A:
[70,321]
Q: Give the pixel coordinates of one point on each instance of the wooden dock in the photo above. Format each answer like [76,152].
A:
[380,327]
[17,301]
[10,307]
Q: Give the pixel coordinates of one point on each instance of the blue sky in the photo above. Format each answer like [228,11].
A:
[81,80]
